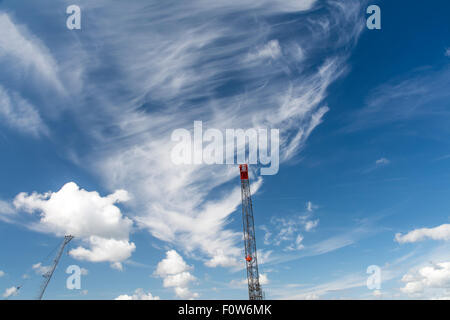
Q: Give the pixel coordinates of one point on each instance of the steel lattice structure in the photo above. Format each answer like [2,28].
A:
[254,288]
[48,275]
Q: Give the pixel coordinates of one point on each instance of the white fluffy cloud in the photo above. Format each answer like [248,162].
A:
[175,273]
[94,219]
[139,294]
[13,291]
[441,232]
[102,249]
[435,276]
[2,273]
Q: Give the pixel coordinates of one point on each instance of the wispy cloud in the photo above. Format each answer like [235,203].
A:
[20,115]
[185,61]
[422,93]
[287,231]
[27,52]
[382,162]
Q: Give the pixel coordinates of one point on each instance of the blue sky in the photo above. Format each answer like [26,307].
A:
[86,118]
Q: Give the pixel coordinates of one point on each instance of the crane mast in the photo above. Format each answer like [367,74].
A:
[48,275]
[254,288]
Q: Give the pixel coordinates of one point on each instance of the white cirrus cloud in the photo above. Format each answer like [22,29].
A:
[382,162]
[421,93]
[94,219]
[175,274]
[19,114]
[139,294]
[7,212]
[271,50]
[195,68]
[178,204]
[441,232]
[19,46]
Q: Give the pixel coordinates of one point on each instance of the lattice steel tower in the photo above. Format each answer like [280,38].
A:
[48,275]
[254,288]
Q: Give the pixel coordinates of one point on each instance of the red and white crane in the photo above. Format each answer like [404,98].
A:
[254,288]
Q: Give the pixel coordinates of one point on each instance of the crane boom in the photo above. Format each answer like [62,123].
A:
[254,288]
[48,275]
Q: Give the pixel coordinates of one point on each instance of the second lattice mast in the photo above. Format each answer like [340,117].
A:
[254,288]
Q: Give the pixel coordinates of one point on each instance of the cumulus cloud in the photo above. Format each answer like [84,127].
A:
[139,294]
[175,273]
[435,276]
[102,249]
[2,273]
[10,292]
[441,232]
[94,219]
